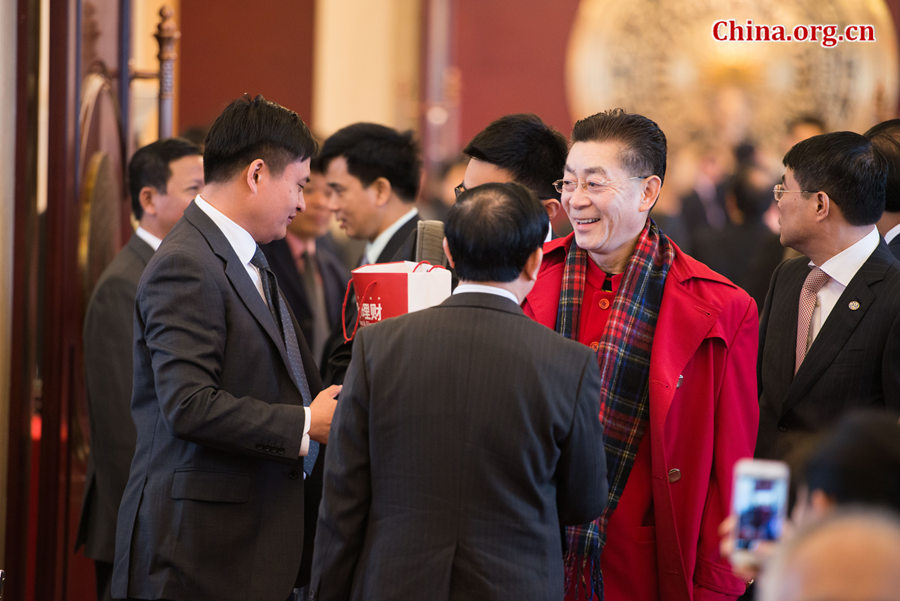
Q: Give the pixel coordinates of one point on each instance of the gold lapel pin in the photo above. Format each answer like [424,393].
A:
[854,305]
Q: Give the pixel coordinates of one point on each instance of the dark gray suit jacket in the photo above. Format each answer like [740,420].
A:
[465,436]
[895,247]
[108,331]
[854,362]
[214,506]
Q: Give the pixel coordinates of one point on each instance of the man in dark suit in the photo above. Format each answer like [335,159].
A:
[523,149]
[226,393]
[163,177]
[886,138]
[309,269]
[373,172]
[451,479]
[830,328]
[745,251]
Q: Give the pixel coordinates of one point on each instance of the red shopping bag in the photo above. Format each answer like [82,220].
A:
[386,290]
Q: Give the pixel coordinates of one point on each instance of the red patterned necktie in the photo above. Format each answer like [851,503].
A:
[811,286]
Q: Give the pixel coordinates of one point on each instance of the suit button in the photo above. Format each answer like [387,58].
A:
[294,474]
[674,474]
[782,427]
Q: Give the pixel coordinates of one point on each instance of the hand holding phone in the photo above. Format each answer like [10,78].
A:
[759,507]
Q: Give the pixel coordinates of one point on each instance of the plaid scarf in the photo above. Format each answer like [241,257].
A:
[624,355]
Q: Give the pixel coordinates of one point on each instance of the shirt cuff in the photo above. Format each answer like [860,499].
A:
[304,443]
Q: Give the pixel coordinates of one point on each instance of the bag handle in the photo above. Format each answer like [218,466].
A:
[430,266]
[344,310]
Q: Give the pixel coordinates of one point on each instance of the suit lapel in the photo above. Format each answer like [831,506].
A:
[841,323]
[398,241]
[238,277]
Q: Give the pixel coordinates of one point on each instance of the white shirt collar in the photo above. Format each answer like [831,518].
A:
[892,233]
[485,289]
[844,265]
[149,238]
[376,246]
[240,239]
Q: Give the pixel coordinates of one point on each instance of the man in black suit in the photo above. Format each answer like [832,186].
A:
[467,434]
[843,297]
[523,149]
[163,177]
[226,392]
[745,251]
[309,269]
[373,172]
[886,138]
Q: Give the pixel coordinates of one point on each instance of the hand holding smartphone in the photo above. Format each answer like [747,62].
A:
[759,506]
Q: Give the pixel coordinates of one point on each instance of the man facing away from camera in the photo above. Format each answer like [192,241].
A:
[466,434]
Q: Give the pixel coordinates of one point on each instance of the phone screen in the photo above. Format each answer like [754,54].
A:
[759,504]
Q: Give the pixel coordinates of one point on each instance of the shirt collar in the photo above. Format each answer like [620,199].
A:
[376,246]
[892,233]
[149,238]
[485,289]
[844,265]
[240,239]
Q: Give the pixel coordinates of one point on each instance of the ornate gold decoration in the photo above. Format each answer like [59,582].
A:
[659,58]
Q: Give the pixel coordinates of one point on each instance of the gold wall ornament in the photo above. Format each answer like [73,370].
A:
[659,58]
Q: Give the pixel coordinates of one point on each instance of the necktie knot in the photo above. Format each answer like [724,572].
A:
[259,259]
[815,280]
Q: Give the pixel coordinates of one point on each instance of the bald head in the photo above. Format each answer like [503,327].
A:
[852,556]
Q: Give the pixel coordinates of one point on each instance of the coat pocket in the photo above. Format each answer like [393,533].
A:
[218,487]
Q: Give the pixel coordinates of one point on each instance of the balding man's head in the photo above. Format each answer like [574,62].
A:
[851,556]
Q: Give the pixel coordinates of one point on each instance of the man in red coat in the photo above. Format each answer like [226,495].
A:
[677,348]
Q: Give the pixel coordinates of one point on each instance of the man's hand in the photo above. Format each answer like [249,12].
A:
[320,412]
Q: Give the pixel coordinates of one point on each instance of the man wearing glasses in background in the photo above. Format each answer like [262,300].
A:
[518,148]
[676,344]
[830,327]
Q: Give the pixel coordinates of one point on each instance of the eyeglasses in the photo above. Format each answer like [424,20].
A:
[779,191]
[592,188]
[459,189]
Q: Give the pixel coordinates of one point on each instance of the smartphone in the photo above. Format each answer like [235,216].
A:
[759,504]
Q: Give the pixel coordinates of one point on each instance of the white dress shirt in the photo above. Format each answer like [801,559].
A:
[840,268]
[485,289]
[245,247]
[892,233]
[376,246]
[149,238]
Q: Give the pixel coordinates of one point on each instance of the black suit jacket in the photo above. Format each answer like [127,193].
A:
[895,247]
[108,338]
[465,436]
[854,362]
[747,254]
[214,505]
[334,281]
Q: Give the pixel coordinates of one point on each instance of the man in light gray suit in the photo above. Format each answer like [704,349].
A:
[226,393]
[467,434]
[163,177]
